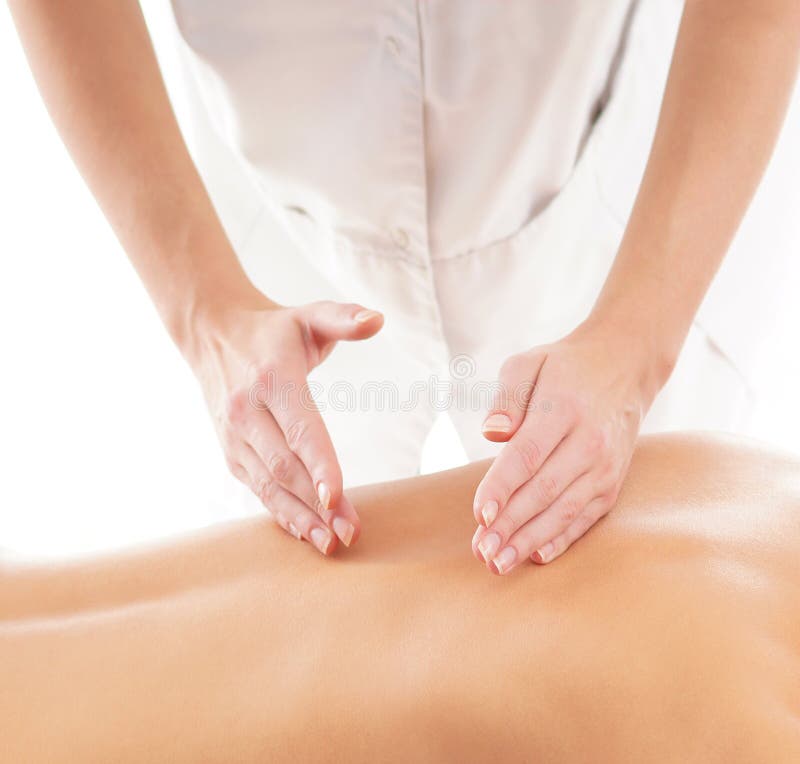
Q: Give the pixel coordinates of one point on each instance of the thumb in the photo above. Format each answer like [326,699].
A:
[512,396]
[328,322]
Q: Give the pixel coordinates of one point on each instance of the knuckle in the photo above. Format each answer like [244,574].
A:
[278,465]
[261,488]
[237,408]
[516,383]
[571,509]
[527,450]
[303,522]
[265,489]
[596,442]
[296,434]
[584,523]
[546,487]
[608,474]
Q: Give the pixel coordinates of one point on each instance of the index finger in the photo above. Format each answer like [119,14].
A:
[521,458]
[306,435]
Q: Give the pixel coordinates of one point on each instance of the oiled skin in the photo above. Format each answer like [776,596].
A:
[671,632]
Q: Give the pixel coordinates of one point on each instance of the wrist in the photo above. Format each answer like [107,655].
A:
[205,316]
[637,344]
[194,277]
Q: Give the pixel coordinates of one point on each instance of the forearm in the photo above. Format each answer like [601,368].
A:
[99,77]
[729,85]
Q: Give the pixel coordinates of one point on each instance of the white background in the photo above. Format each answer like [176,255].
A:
[104,439]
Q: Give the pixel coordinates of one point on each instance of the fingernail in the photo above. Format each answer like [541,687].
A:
[497,423]
[365,315]
[293,530]
[324,494]
[321,539]
[280,520]
[489,512]
[476,541]
[488,545]
[543,554]
[505,559]
[343,530]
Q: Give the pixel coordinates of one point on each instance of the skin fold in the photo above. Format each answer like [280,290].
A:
[671,634]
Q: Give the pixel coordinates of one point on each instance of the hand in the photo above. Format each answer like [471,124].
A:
[252,363]
[570,412]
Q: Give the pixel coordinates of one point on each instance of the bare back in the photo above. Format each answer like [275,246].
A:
[671,632]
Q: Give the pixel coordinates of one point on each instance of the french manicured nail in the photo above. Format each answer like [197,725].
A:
[489,512]
[293,530]
[365,315]
[497,423]
[505,559]
[343,530]
[476,540]
[544,554]
[321,539]
[489,545]
[324,494]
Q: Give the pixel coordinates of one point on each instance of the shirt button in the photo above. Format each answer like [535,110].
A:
[400,238]
[393,44]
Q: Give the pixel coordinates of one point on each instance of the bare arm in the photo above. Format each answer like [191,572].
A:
[732,74]
[733,71]
[97,72]
[96,69]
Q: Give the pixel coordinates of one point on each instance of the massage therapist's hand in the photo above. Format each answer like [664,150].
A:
[252,362]
[570,413]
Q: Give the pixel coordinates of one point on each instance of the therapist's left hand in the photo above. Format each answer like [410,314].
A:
[570,413]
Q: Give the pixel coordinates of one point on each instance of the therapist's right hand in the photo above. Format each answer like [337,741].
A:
[252,363]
